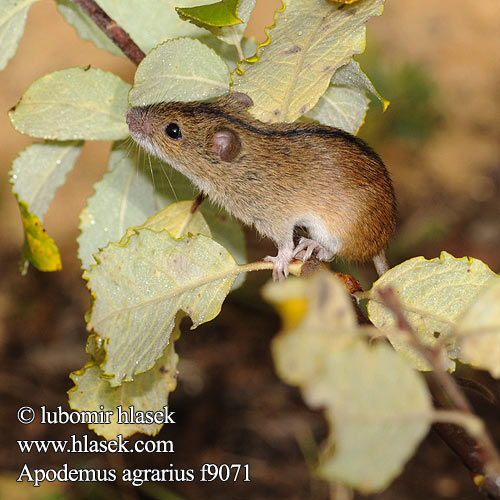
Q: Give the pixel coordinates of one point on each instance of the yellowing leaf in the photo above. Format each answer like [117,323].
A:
[35,176]
[138,288]
[147,393]
[178,220]
[379,409]
[179,70]
[434,295]
[12,20]
[377,406]
[478,331]
[223,13]
[38,248]
[310,41]
[72,104]
[296,298]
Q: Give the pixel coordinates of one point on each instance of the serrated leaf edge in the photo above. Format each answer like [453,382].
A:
[256,57]
[171,40]
[84,69]
[237,269]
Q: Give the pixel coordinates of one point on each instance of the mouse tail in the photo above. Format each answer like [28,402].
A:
[380,263]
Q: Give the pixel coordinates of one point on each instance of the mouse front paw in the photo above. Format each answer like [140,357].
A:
[280,269]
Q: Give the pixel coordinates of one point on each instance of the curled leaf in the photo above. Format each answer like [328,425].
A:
[35,176]
[39,248]
[218,14]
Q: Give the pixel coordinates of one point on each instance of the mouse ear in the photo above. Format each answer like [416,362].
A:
[227,144]
[235,100]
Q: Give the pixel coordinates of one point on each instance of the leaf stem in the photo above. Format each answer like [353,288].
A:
[114,31]
[239,49]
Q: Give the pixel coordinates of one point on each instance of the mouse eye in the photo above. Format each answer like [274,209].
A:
[173,131]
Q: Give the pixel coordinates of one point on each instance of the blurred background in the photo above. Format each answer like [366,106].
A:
[438,64]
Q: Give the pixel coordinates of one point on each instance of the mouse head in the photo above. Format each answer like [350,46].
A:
[182,133]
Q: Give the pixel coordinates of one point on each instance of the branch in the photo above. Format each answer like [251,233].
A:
[115,32]
[478,454]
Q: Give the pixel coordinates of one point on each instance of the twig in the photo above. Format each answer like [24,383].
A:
[197,202]
[114,31]
[478,454]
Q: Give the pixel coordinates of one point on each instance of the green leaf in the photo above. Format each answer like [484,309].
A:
[345,103]
[12,20]
[377,406]
[150,22]
[225,229]
[233,35]
[148,392]
[86,27]
[125,198]
[478,331]
[230,33]
[72,104]
[39,170]
[309,42]
[140,285]
[218,14]
[434,295]
[179,70]
[122,199]
[38,248]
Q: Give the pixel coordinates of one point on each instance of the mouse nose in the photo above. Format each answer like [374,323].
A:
[137,121]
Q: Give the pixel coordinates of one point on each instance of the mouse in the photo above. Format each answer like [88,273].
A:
[277,177]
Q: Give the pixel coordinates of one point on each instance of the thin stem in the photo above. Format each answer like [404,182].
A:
[255,266]
[115,32]
[470,422]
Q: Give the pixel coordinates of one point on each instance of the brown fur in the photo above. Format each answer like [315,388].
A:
[280,172]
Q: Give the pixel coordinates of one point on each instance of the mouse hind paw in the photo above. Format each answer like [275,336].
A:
[310,248]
